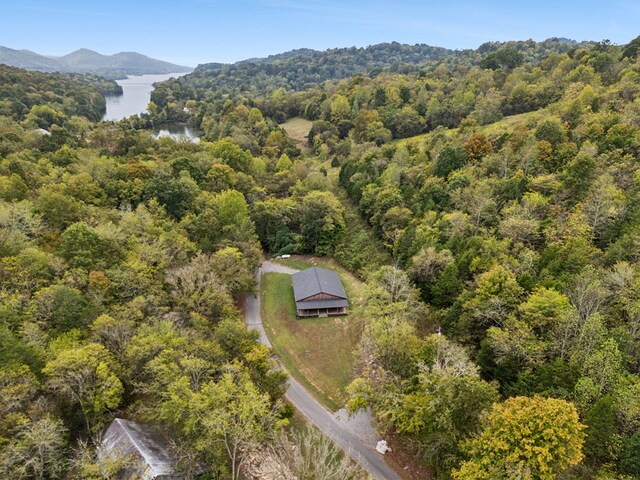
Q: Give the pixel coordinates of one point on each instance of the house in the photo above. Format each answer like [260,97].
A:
[146,453]
[319,293]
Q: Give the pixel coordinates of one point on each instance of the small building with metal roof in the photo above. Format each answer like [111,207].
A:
[318,292]
[148,454]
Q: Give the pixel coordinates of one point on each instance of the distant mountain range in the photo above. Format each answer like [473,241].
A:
[87,61]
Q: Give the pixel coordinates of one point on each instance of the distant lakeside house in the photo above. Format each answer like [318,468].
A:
[148,454]
[318,292]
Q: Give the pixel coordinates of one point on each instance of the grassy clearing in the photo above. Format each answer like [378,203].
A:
[318,352]
[298,129]
[299,263]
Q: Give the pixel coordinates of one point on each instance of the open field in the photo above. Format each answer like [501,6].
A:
[319,352]
[298,129]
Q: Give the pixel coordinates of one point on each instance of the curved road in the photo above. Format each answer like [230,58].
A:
[362,453]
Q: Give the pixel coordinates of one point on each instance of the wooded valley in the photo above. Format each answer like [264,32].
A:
[498,190]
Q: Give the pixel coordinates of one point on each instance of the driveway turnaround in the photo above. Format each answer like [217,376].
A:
[329,424]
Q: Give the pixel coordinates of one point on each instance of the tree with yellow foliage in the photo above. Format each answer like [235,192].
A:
[532,438]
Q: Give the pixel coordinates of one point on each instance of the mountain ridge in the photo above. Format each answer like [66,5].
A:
[85,60]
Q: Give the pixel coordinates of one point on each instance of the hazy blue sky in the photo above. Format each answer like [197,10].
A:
[197,31]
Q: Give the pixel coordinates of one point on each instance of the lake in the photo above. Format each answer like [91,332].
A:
[177,131]
[136,95]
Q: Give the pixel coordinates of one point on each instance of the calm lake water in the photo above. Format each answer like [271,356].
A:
[177,131]
[136,94]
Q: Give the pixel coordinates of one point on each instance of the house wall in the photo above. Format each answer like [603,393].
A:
[322,312]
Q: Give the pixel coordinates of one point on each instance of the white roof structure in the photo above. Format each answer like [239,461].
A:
[131,439]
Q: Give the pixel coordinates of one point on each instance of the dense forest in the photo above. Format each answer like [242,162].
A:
[502,337]
[44,98]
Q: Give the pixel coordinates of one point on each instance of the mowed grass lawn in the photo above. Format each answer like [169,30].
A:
[318,352]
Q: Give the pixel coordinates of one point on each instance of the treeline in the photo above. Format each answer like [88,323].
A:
[277,76]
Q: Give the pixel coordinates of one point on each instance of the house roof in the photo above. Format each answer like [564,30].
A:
[131,438]
[314,281]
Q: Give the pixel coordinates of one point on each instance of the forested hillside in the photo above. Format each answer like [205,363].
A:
[511,210]
[503,343]
[123,263]
[45,99]
[276,76]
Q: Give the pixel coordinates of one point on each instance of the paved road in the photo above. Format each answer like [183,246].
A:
[362,453]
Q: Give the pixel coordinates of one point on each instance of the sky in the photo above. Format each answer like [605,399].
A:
[190,32]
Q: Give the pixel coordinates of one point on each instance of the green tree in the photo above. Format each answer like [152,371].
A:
[579,174]
[407,122]
[231,413]
[544,308]
[233,155]
[321,222]
[497,293]
[60,308]
[57,209]
[450,159]
[222,220]
[82,246]
[36,452]
[630,456]
[177,195]
[273,218]
[221,177]
[446,406]
[340,108]
[602,371]
[234,271]
[85,376]
[506,58]
[368,127]
[284,163]
[602,437]
[551,131]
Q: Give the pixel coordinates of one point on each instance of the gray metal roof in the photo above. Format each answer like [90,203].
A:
[313,304]
[131,438]
[313,281]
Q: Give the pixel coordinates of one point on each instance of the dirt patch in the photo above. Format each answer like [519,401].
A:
[262,464]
